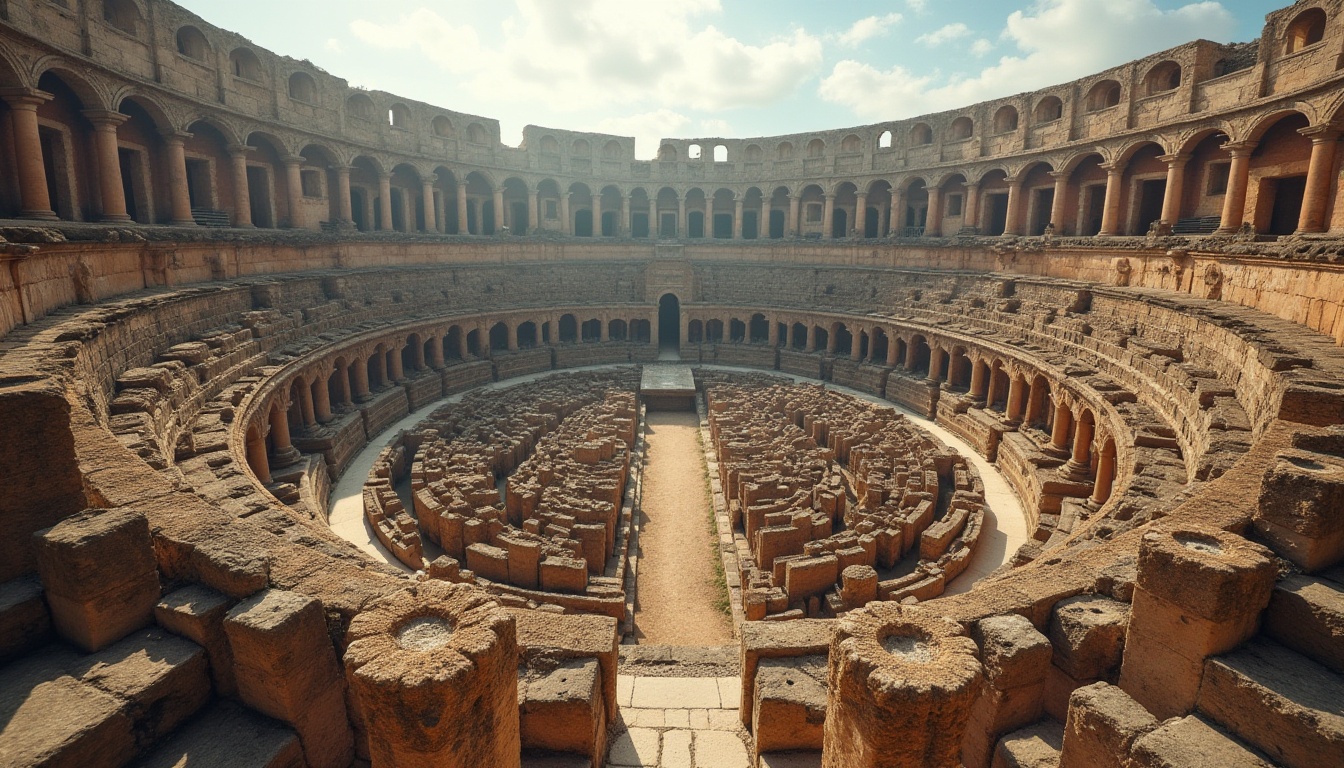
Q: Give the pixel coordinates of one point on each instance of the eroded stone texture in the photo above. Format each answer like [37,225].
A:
[434,670]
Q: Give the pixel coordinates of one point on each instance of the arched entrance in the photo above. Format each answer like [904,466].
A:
[669,325]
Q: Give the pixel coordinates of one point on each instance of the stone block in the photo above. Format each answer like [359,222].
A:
[564,574]
[1088,635]
[563,710]
[1103,723]
[1191,741]
[789,704]
[197,613]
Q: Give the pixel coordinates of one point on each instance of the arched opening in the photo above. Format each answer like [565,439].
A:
[844,340]
[452,343]
[1278,175]
[713,331]
[303,88]
[359,106]
[1307,29]
[784,151]
[961,129]
[851,144]
[245,64]
[737,331]
[399,116]
[591,331]
[820,337]
[499,337]
[816,148]
[569,329]
[191,43]
[720,153]
[1104,95]
[1005,120]
[798,336]
[549,146]
[669,324]
[884,140]
[1162,78]
[616,330]
[527,335]
[442,127]
[123,15]
[695,332]
[921,135]
[759,329]
[1048,110]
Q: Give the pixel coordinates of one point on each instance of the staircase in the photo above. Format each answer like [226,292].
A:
[207,217]
[1203,225]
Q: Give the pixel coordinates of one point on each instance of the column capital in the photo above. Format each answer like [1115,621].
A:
[1112,168]
[430,179]
[105,118]
[177,137]
[25,98]
[293,159]
[1321,133]
[384,177]
[1175,159]
[238,149]
[1240,148]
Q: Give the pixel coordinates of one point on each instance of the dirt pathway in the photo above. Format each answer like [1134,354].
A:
[677,590]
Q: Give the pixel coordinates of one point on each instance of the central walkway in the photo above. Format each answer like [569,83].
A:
[677,592]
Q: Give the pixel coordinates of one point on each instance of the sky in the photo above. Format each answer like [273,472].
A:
[720,68]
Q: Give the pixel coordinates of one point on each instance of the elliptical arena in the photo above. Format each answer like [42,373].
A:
[328,419]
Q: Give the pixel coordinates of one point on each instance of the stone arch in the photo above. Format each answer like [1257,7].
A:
[90,95]
[399,116]
[125,16]
[667,152]
[1163,77]
[961,129]
[816,148]
[302,87]
[359,105]
[1049,109]
[192,43]
[784,150]
[1005,119]
[921,135]
[1103,95]
[1307,28]
[244,64]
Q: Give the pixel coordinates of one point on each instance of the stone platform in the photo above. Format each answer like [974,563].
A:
[666,387]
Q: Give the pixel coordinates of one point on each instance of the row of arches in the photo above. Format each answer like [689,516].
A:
[79,161]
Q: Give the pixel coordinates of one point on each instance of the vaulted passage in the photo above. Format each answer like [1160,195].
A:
[678,594]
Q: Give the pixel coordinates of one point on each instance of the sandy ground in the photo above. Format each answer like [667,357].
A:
[676,590]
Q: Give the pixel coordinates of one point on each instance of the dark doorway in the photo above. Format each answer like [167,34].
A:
[259,195]
[1288,193]
[1094,210]
[695,224]
[667,226]
[1151,192]
[750,228]
[357,209]
[520,222]
[583,223]
[996,209]
[840,223]
[639,225]
[669,324]
[872,221]
[609,219]
[723,225]
[1040,217]
[777,224]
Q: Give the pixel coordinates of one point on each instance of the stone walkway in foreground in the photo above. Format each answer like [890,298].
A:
[686,722]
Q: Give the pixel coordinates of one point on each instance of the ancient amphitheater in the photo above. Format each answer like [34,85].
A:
[336,432]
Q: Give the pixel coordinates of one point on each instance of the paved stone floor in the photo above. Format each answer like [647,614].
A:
[686,722]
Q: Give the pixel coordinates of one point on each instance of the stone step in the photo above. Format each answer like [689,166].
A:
[1306,614]
[1191,741]
[112,705]
[1278,701]
[228,735]
[1036,746]
[24,620]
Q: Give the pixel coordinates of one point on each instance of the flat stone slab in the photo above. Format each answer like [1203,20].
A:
[673,380]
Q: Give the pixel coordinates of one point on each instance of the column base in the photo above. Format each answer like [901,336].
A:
[183,223]
[286,458]
[119,218]
[363,398]
[1059,453]
[1076,471]
[44,215]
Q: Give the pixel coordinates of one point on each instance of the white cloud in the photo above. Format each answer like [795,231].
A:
[583,54]
[334,45]
[868,28]
[944,34]
[981,47]
[918,6]
[1096,34]
[648,128]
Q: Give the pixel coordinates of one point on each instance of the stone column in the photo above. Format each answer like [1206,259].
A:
[902,682]
[737,217]
[499,212]
[385,201]
[321,400]
[763,221]
[603,330]
[565,215]
[533,212]
[34,196]
[861,214]
[623,229]
[179,192]
[293,187]
[897,220]
[933,220]
[772,334]
[1105,479]
[1080,460]
[793,215]
[1175,192]
[856,345]
[891,350]
[811,338]
[1059,435]
[110,190]
[344,208]
[682,230]
[257,460]
[394,368]
[285,453]
[463,223]
[1057,209]
[360,369]
[597,215]
[979,377]
[427,197]
[306,406]
[436,353]
[1013,222]
[242,198]
[1324,140]
[971,213]
[828,217]
[654,224]
[936,355]
[832,341]
[1016,398]
[1199,593]
[1110,214]
[434,669]
[1238,180]
[513,336]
